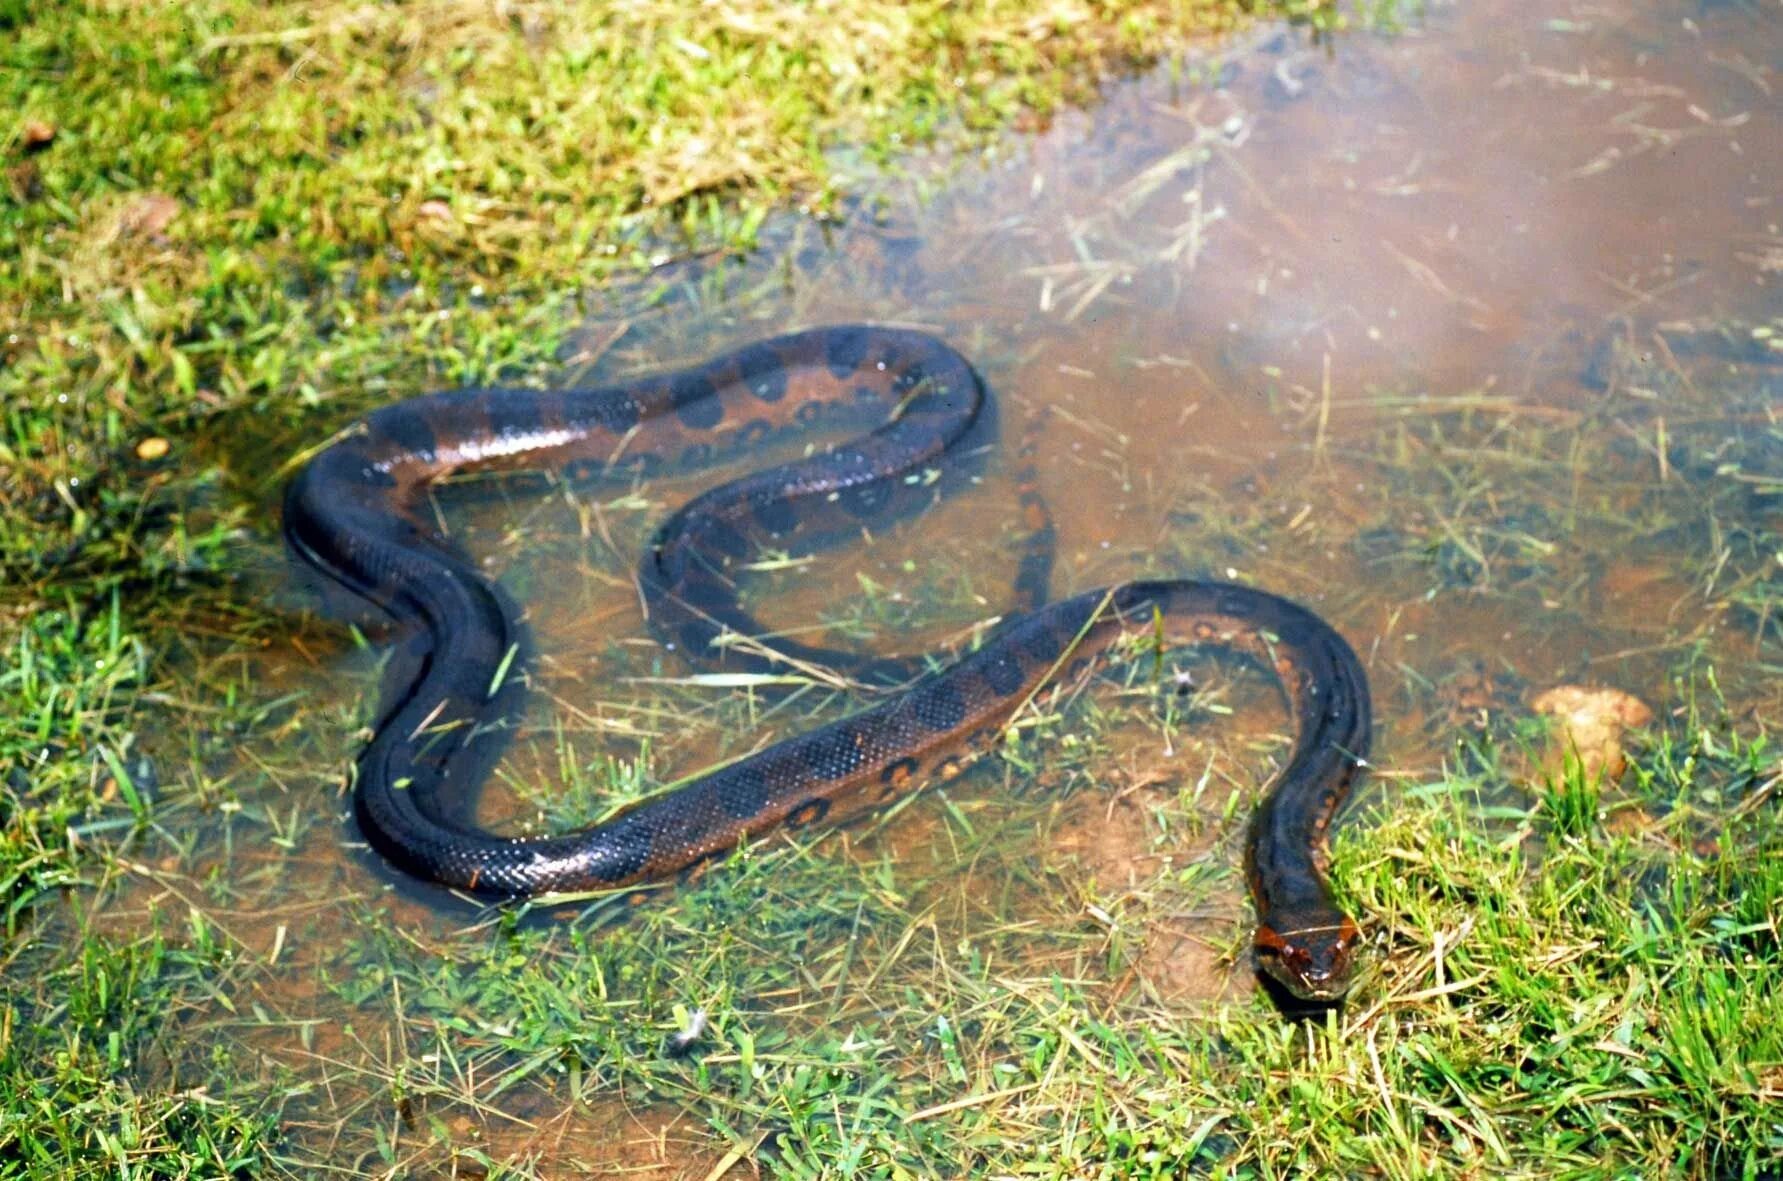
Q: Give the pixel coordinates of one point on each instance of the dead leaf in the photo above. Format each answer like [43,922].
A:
[38,135]
[1589,723]
[147,216]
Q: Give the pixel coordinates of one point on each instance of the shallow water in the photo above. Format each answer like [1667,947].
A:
[1458,336]
[1258,290]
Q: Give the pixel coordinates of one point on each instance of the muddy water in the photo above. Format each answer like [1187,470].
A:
[1235,281]
[1456,335]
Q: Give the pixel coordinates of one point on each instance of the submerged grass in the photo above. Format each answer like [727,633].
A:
[1557,996]
[100,1016]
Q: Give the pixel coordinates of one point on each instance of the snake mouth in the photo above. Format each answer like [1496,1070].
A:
[1323,988]
[1325,991]
[1314,963]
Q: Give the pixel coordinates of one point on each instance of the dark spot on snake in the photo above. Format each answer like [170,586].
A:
[742,791]
[514,413]
[696,635]
[616,411]
[697,455]
[623,853]
[702,588]
[762,372]
[717,535]
[1042,645]
[809,414]
[939,707]
[865,393]
[864,500]
[776,515]
[406,427]
[696,401]
[1239,605]
[343,466]
[1004,674]
[844,350]
[899,773]
[832,753]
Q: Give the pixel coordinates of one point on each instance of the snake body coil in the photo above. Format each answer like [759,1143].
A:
[354,512]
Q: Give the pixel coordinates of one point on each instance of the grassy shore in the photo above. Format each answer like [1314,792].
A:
[228,227]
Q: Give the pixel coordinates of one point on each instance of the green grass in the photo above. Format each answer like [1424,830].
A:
[1554,997]
[103,1014]
[255,221]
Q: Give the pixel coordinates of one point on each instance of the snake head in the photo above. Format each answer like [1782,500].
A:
[1314,961]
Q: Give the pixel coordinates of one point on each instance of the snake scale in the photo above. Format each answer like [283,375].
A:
[356,513]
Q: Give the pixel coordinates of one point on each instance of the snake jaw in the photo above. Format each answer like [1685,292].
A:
[1314,963]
